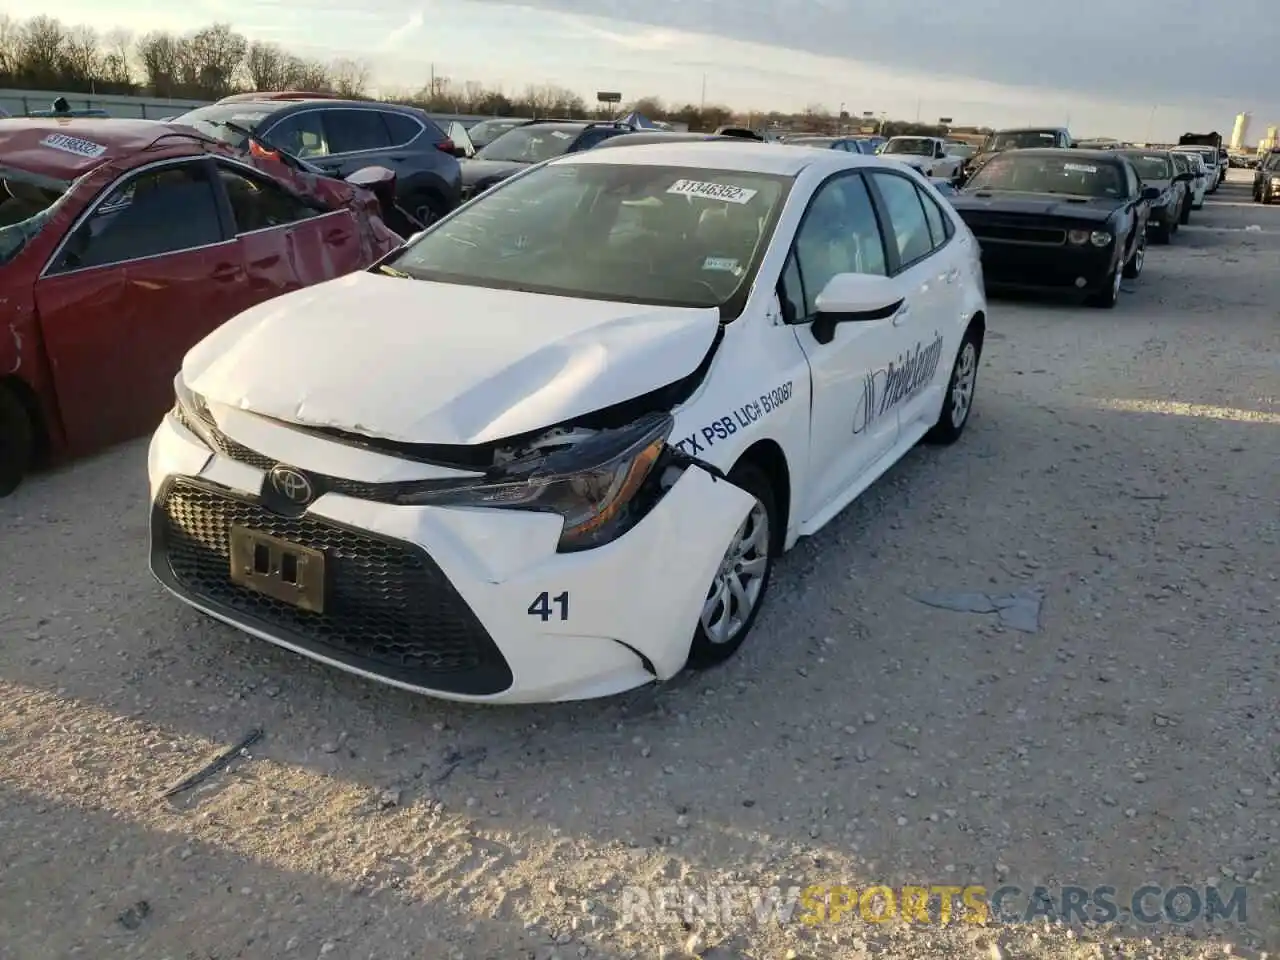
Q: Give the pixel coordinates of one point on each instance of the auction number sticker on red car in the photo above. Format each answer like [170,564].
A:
[1079,168]
[81,148]
[712,191]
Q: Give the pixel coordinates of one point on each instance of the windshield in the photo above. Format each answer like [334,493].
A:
[487,130]
[209,120]
[1020,140]
[672,236]
[960,150]
[1049,174]
[915,146]
[27,203]
[529,145]
[1151,166]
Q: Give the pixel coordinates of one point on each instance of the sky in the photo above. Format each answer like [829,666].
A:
[1135,69]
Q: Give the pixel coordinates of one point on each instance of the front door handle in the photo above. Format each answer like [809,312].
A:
[953,275]
[224,272]
[903,312]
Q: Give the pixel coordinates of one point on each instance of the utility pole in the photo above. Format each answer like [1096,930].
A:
[702,105]
[433,81]
[917,111]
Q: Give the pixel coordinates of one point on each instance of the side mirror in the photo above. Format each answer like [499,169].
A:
[372,177]
[1184,177]
[1150,193]
[853,297]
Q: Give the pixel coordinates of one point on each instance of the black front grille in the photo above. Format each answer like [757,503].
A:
[389,609]
[1011,233]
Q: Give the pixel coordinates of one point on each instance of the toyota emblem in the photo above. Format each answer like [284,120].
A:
[291,484]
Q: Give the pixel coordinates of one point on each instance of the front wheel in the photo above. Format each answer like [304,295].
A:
[738,588]
[958,402]
[1186,212]
[17,442]
[1133,266]
[426,207]
[1109,295]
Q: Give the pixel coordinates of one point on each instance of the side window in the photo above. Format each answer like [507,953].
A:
[259,204]
[138,219]
[791,291]
[940,226]
[839,234]
[907,223]
[590,138]
[351,130]
[401,128]
[1132,179]
[301,134]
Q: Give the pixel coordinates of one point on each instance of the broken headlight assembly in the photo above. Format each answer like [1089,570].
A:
[192,412]
[601,486]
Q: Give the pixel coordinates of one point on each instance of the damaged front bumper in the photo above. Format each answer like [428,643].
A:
[460,602]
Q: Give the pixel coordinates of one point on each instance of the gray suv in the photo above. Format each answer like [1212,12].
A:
[340,137]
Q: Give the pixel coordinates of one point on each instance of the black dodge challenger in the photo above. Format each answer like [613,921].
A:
[1059,219]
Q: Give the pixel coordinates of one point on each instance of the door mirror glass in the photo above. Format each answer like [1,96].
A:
[1150,193]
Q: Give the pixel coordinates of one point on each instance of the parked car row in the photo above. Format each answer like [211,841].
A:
[1266,178]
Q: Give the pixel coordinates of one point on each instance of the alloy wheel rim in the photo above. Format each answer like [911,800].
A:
[962,389]
[1115,285]
[735,590]
[1142,254]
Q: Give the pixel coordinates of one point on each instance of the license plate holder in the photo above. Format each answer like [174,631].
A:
[284,571]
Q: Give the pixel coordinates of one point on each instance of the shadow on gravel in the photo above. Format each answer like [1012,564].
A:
[859,737]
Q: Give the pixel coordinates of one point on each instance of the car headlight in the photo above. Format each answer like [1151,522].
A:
[1078,237]
[1100,238]
[192,411]
[593,485]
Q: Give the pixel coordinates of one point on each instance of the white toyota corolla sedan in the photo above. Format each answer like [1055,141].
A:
[549,449]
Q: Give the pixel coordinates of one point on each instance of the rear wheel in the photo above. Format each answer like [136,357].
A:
[738,589]
[1186,210]
[426,207]
[1157,233]
[958,403]
[17,442]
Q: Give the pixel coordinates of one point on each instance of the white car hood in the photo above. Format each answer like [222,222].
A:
[418,362]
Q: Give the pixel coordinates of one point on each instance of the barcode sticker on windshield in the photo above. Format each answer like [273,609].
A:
[1154,159]
[81,148]
[712,191]
[720,264]
[560,134]
[1079,168]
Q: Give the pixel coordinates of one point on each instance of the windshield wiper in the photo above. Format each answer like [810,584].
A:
[391,271]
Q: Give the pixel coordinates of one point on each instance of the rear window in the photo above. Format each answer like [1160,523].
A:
[530,144]
[27,203]
[210,120]
[1151,166]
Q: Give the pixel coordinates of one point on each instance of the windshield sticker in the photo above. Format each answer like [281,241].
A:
[81,148]
[712,191]
[1046,136]
[721,264]
[1154,159]
[560,135]
[1079,168]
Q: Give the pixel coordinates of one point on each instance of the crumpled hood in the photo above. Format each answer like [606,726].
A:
[436,363]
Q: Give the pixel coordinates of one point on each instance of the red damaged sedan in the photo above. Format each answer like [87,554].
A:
[122,244]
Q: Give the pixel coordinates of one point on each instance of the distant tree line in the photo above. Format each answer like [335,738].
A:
[42,53]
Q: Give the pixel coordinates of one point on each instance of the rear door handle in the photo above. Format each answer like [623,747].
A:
[337,237]
[953,275]
[226,271]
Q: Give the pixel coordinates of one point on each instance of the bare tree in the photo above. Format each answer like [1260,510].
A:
[161,56]
[212,58]
[268,66]
[81,60]
[307,75]
[11,35]
[350,78]
[42,48]
[117,58]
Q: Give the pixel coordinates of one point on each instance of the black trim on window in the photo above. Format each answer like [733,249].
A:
[882,213]
[780,286]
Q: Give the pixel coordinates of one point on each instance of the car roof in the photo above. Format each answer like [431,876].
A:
[659,136]
[1144,151]
[91,142]
[731,153]
[1030,129]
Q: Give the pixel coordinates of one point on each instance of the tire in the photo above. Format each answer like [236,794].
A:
[957,404]
[1109,295]
[1186,211]
[708,648]
[426,207]
[17,442]
[1157,233]
[1133,266]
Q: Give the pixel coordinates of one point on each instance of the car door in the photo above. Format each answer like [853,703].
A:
[286,241]
[840,233]
[923,254]
[147,272]
[353,137]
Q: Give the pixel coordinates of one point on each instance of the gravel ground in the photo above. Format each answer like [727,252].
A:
[1122,462]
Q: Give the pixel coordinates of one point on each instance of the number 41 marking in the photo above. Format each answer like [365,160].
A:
[541,606]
